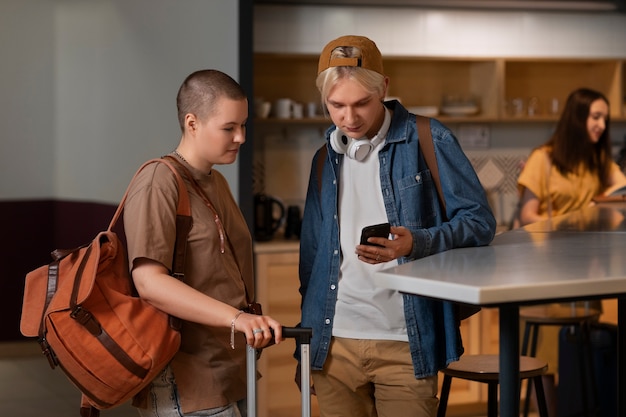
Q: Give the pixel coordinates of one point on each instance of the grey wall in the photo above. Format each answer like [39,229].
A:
[87,93]
[27,98]
[87,88]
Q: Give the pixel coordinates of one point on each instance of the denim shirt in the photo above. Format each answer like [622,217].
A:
[410,199]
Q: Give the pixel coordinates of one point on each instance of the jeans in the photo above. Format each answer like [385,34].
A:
[163,401]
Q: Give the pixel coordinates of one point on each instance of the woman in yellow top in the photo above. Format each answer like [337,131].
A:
[574,165]
[565,174]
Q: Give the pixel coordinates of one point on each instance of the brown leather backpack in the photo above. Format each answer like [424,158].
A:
[88,320]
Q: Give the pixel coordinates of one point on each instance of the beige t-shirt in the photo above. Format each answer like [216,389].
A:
[208,372]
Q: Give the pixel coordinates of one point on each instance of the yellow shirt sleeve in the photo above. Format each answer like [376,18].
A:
[563,192]
[534,176]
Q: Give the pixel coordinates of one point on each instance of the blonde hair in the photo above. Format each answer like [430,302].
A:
[372,81]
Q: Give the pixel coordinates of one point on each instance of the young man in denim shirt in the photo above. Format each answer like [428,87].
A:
[376,352]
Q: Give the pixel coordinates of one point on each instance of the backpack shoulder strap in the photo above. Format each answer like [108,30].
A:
[184,221]
[183,208]
[425,142]
[183,216]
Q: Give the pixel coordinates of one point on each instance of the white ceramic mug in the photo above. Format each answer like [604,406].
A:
[311,109]
[297,111]
[283,108]
[263,109]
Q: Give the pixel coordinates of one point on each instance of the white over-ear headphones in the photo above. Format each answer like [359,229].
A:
[358,148]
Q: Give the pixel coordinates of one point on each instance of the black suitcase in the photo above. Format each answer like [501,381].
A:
[597,372]
[302,335]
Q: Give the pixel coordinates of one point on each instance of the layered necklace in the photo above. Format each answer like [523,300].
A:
[175,152]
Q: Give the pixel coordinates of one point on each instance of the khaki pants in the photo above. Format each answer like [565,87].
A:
[372,378]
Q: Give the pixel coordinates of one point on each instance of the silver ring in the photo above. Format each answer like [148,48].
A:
[378,257]
[255,331]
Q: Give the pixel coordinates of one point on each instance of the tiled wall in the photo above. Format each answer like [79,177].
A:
[498,170]
[283,161]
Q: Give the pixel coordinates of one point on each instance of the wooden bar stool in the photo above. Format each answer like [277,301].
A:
[571,314]
[486,369]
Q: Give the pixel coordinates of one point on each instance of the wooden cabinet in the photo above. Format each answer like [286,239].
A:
[494,82]
[277,290]
[277,286]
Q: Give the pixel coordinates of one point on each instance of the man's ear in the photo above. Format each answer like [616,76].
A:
[386,82]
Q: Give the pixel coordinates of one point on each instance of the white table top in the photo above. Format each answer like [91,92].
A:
[607,217]
[542,262]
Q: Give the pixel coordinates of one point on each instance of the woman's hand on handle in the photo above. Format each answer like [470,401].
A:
[260,331]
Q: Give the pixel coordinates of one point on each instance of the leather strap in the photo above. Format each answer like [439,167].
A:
[425,142]
[86,319]
[86,409]
[53,270]
[183,208]
[89,412]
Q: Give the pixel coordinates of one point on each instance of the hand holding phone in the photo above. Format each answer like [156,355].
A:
[377,230]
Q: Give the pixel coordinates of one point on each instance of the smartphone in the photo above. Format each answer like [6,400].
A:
[377,230]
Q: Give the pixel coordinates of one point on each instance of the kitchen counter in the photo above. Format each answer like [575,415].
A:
[277,245]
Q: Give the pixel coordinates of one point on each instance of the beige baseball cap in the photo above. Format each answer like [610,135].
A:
[370,59]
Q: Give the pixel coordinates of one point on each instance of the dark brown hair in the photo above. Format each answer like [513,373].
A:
[200,91]
[570,145]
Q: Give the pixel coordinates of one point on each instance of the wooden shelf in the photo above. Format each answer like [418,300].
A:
[548,79]
[425,81]
[303,121]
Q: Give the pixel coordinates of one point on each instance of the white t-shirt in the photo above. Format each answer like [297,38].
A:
[364,310]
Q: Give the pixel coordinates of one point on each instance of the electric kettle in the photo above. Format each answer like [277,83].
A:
[268,216]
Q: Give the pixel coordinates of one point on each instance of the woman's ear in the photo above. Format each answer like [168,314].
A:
[190,122]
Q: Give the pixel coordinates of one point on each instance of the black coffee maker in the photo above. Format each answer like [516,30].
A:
[268,216]
[293,223]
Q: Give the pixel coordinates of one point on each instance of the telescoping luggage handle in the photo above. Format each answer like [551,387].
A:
[302,335]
